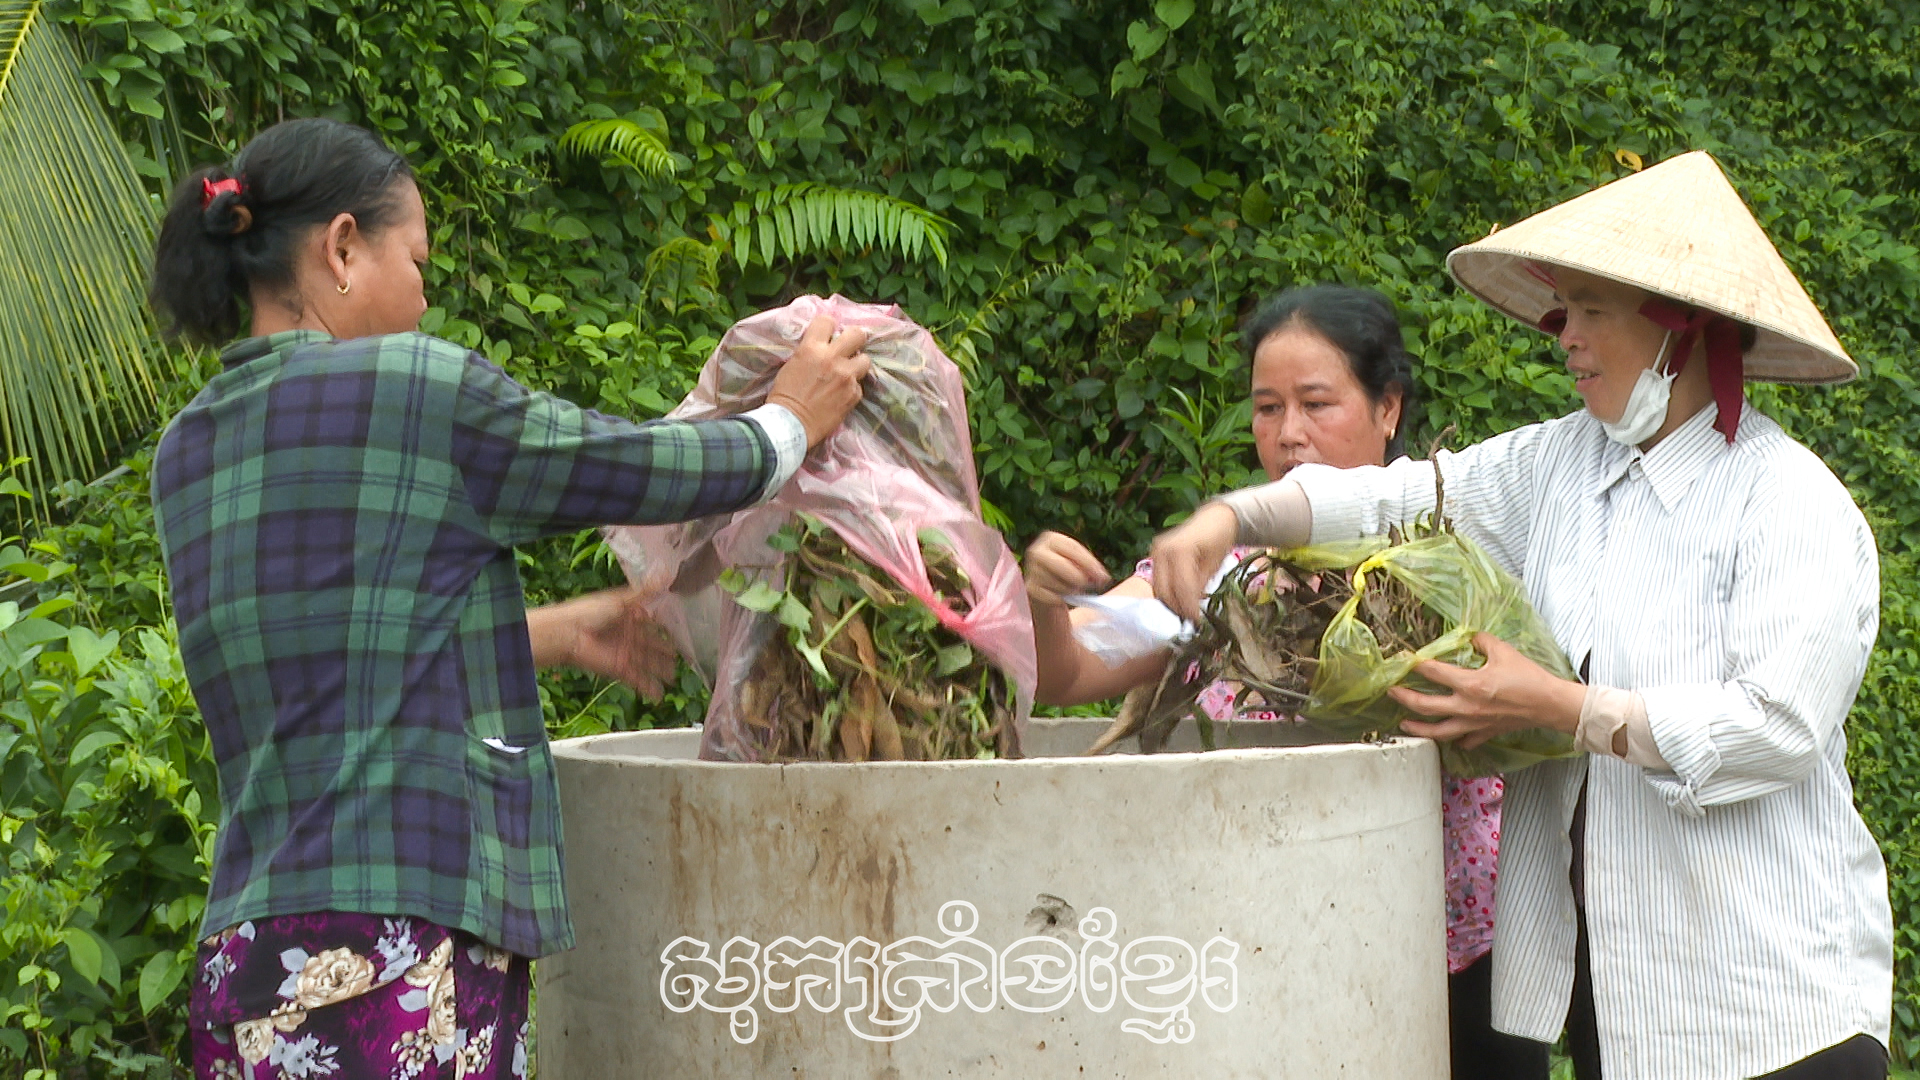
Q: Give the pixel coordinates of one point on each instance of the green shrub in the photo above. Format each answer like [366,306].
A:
[107,804]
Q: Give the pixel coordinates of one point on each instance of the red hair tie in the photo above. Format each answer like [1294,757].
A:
[213,189]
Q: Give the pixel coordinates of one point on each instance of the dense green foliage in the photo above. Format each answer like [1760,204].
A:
[107,785]
[1111,183]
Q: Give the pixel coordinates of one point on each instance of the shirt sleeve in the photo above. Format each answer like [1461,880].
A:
[536,465]
[787,435]
[1489,494]
[1802,616]
[1614,722]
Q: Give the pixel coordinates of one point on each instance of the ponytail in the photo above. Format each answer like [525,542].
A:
[232,231]
[195,285]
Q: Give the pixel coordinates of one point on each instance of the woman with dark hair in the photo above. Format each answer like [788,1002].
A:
[338,508]
[1331,384]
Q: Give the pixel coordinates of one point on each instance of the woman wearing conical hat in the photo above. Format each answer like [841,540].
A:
[1695,897]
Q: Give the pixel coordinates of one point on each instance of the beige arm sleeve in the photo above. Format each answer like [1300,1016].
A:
[1614,722]
[1273,515]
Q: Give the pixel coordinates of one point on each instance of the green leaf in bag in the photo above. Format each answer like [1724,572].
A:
[760,597]
[793,614]
[952,658]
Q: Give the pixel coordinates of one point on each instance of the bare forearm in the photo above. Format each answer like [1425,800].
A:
[552,632]
[1072,675]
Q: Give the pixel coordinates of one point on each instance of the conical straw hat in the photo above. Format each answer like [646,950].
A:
[1677,229]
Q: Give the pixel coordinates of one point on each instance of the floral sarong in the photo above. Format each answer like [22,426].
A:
[334,995]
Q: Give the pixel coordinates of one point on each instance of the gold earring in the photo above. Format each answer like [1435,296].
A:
[343,287]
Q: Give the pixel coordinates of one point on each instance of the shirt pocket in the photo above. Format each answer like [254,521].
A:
[502,776]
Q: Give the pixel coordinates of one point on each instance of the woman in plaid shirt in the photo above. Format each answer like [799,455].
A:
[338,508]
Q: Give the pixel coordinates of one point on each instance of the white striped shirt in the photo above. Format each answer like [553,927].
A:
[1737,905]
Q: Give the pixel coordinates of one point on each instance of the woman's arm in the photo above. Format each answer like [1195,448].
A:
[607,634]
[1801,621]
[1800,618]
[1490,489]
[1058,566]
[536,465]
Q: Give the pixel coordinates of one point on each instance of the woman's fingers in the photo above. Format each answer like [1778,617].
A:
[1477,739]
[821,382]
[1497,652]
[1428,704]
[654,662]
[1453,676]
[1086,560]
[1466,732]
[1508,693]
[610,634]
[819,331]
[1176,582]
[1451,728]
[1184,558]
[1058,566]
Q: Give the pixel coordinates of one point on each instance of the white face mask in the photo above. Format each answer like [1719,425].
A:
[1647,405]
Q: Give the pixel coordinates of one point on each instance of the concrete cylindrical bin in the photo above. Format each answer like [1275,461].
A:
[1259,912]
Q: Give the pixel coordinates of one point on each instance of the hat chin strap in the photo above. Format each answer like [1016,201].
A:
[1726,368]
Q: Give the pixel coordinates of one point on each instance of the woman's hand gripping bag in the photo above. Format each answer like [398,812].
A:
[831,619]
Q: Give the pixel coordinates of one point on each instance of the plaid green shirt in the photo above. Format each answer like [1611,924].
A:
[338,519]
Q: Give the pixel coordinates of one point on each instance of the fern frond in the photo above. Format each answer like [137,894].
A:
[621,142]
[967,339]
[794,220]
[783,224]
[683,267]
[767,239]
[76,230]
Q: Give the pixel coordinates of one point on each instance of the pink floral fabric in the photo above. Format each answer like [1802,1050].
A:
[333,995]
[1470,827]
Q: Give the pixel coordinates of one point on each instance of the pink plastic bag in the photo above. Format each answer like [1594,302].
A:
[902,462]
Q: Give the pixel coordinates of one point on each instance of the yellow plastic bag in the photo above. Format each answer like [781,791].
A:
[1461,584]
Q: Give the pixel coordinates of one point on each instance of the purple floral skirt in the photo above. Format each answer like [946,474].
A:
[337,995]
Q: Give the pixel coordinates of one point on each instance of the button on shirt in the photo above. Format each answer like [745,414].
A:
[338,519]
[1736,903]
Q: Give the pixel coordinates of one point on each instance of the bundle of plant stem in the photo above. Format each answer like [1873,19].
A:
[858,669]
[1261,629]
[1321,633]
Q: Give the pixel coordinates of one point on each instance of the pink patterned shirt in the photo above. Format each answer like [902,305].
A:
[1470,828]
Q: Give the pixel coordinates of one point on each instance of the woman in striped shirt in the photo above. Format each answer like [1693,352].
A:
[1696,897]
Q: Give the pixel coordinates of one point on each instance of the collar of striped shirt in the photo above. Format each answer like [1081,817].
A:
[1673,464]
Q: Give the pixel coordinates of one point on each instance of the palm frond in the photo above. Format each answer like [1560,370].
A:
[793,220]
[621,142]
[76,230]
